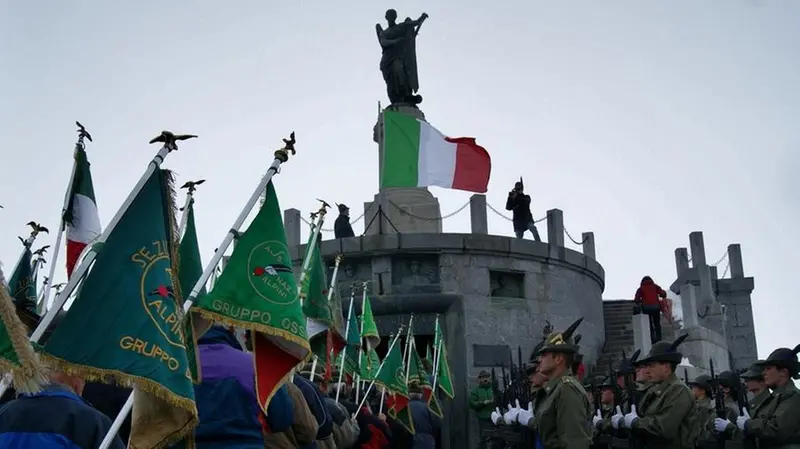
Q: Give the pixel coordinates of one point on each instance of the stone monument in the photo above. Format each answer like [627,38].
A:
[400,210]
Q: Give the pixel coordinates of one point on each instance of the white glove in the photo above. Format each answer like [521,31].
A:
[721,424]
[631,417]
[525,416]
[617,418]
[597,419]
[742,420]
[496,416]
[511,415]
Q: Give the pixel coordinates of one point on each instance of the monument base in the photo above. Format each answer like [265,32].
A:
[403,210]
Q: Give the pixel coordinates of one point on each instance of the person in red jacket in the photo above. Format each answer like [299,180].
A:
[648,297]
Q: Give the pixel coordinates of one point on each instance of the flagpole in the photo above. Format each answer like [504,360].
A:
[315,230]
[346,335]
[409,345]
[281,156]
[330,295]
[361,335]
[191,187]
[383,395]
[169,140]
[366,393]
[79,146]
[170,145]
[437,350]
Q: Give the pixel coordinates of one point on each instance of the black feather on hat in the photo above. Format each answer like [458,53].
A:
[664,351]
[562,341]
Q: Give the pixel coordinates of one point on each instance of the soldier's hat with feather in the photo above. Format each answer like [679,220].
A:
[783,358]
[665,351]
[562,342]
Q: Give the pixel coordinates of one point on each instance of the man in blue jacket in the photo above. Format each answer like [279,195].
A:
[56,417]
[226,397]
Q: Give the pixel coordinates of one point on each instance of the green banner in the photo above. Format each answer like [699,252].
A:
[190,270]
[22,284]
[127,320]
[257,291]
[16,353]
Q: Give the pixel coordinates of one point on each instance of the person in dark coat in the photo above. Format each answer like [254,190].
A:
[520,205]
[109,398]
[56,417]
[648,297]
[341,227]
[317,406]
[426,424]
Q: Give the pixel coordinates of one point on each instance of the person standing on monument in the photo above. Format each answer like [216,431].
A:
[341,227]
[520,205]
[648,298]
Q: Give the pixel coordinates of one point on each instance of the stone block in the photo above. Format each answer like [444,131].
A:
[331,246]
[292,222]
[574,258]
[734,285]
[380,243]
[702,345]
[698,248]
[641,332]
[435,242]
[681,261]
[479,222]
[493,243]
[735,261]
[351,245]
[528,248]
[555,227]
[555,251]
[588,245]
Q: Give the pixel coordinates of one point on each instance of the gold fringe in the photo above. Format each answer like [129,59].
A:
[267,330]
[29,375]
[91,373]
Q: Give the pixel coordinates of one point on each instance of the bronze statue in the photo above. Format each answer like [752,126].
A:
[399,60]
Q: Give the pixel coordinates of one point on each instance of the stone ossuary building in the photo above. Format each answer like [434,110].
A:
[495,293]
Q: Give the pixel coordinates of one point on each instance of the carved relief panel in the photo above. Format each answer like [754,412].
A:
[507,284]
[352,271]
[415,274]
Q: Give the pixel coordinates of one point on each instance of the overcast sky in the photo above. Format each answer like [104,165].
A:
[642,121]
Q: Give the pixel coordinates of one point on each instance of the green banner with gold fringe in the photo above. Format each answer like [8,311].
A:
[258,291]
[127,320]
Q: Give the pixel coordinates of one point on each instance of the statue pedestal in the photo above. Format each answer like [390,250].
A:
[409,210]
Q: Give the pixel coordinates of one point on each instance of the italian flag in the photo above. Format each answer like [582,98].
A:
[81,217]
[415,154]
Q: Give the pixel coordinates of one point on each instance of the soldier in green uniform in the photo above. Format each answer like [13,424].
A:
[704,409]
[754,381]
[778,425]
[667,409]
[561,418]
[730,386]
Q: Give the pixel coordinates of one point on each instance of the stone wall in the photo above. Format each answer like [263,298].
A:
[489,290]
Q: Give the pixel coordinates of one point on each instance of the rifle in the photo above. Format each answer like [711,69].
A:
[719,400]
[716,391]
[614,386]
[498,400]
[595,394]
[686,376]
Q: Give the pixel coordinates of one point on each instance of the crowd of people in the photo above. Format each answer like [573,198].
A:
[71,413]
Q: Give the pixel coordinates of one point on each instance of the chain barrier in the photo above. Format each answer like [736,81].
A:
[406,212]
[573,240]
[724,256]
[502,215]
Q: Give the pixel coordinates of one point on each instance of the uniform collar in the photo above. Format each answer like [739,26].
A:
[553,381]
[784,389]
